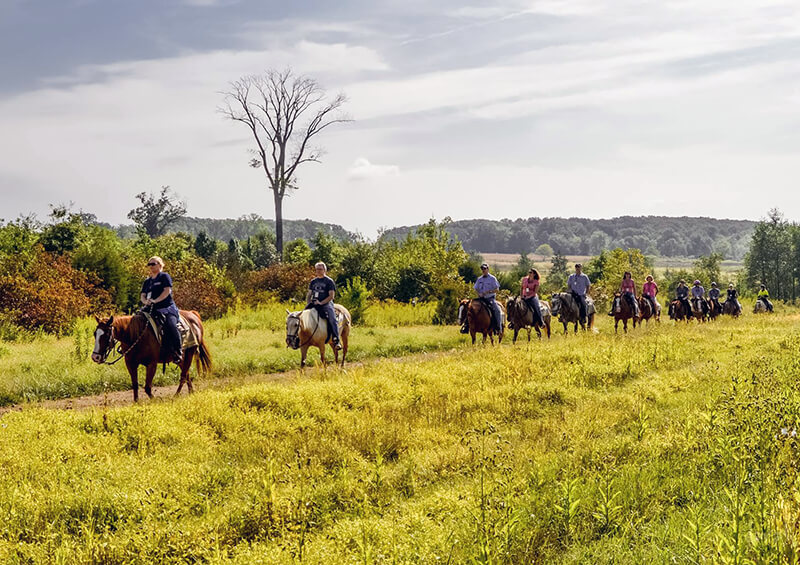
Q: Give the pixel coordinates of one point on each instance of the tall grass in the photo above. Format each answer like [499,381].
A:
[673,444]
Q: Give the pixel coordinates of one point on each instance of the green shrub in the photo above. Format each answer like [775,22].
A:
[355,296]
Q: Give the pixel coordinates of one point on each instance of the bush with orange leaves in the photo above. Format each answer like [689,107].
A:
[200,286]
[46,292]
[281,280]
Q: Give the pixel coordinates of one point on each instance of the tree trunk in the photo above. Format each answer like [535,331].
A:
[278,223]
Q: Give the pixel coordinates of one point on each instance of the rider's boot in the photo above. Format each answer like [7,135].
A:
[336,345]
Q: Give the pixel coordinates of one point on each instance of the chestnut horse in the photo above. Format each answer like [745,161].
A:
[138,345]
[520,316]
[646,310]
[622,311]
[307,328]
[677,311]
[476,314]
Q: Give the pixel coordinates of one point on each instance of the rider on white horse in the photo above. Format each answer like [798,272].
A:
[320,295]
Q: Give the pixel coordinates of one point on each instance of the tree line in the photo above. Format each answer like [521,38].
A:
[654,235]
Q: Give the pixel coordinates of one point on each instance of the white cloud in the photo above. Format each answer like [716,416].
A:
[362,169]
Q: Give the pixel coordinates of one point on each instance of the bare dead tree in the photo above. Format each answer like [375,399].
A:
[284,113]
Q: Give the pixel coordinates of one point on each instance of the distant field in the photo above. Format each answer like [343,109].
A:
[505,261]
[671,444]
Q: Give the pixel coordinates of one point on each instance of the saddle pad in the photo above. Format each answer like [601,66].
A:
[188,339]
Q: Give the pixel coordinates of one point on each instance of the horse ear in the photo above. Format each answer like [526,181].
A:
[97,318]
[111,321]
[287,312]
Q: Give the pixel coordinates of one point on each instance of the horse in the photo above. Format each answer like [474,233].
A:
[677,311]
[476,314]
[564,305]
[520,316]
[713,309]
[646,310]
[307,328]
[698,311]
[622,311]
[759,307]
[138,345]
[732,308]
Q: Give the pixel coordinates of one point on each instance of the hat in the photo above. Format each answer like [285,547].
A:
[649,277]
[484,265]
[682,281]
[730,285]
[713,284]
[696,282]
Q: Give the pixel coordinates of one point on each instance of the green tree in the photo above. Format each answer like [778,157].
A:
[557,277]
[100,253]
[326,249]
[205,246]
[260,249]
[63,234]
[544,250]
[157,212]
[297,252]
[707,269]
[769,259]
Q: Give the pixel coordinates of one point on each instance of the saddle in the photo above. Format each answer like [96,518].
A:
[188,338]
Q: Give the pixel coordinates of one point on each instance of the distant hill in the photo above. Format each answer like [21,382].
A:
[246,226]
[655,235]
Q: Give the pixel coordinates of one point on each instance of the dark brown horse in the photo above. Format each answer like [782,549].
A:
[646,310]
[678,311]
[622,311]
[563,305]
[732,308]
[476,314]
[520,316]
[138,345]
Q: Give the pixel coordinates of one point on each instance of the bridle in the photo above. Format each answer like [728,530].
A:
[122,354]
[293,340]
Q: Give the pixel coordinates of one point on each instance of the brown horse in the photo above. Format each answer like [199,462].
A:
[622,311]
[138,345]
[646,310]
[520,316]
[563,305]
[307,328]
[678,311]
[476,315]
[699,309]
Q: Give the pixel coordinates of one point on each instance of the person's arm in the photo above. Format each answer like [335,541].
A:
[143,299]
[163,295]
[331,294]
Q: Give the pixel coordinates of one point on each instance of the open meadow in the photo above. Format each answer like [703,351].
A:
[674,443]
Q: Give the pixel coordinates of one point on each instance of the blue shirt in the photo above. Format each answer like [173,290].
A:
[698,291]
[154,286]
[579,284]
[487,282]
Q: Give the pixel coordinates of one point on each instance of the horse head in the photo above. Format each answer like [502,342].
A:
[555,304]
[462,310]
[293,329]
[103,339]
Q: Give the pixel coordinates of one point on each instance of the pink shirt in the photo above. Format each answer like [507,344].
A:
[628,286]
[650,289]
[529,287]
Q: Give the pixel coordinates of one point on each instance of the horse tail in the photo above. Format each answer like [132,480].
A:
[204,362]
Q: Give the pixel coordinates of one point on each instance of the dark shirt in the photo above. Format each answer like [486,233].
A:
[320,287]
[713,294]
[732,294]
[153,287]
[683,292]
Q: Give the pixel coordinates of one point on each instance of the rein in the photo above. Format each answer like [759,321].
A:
[122,354]
[316,327]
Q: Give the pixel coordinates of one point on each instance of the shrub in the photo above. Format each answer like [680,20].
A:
[48,293]
[200,286]
[288,282]
[354,296]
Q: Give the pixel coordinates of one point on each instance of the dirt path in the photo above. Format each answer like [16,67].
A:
[167,392]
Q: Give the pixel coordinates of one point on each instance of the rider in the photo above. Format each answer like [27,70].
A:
[697,294]
[628,290]
[682,293]
[713,296]
[650,291]
[579,284]
[733,297]
[157,293]
[321,291]
[530,294]
[763,296]
[486,286]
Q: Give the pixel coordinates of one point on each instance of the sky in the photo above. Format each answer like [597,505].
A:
[506,109]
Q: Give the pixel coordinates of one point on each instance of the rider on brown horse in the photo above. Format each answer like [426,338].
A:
[628,291]
[650,291]
[157,294]
[487,286]
[530,294]
[579,284]
[682,293]
[713,298]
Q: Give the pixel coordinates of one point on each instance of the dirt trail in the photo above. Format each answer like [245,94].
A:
[167,392]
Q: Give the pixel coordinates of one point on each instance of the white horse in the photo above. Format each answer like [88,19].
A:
[307,328]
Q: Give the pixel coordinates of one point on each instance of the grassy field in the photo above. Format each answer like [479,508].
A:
[244,342]
[672,444]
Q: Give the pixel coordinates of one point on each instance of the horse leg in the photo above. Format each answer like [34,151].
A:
[148,379]
[133,371]
[345,339]
[616,324]
[303,353]
[472,333]
[322,354]
[186,366]
[514,338]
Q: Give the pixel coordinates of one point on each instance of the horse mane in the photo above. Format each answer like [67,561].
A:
[125,327]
